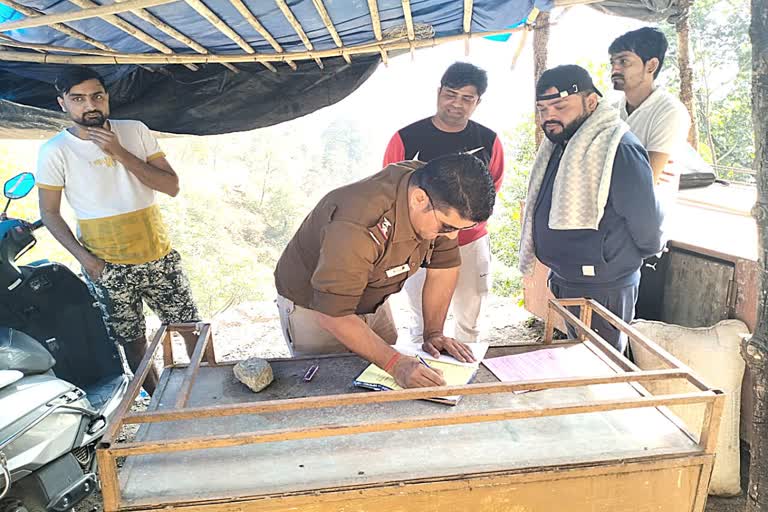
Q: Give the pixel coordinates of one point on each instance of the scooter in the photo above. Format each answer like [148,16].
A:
[61,377]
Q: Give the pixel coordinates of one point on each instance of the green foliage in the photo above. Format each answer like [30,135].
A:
[234,216]
[721,61]
[519,153]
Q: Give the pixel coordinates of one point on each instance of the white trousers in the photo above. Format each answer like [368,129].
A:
[471,290]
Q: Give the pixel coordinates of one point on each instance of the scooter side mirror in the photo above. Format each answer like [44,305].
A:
[19,186]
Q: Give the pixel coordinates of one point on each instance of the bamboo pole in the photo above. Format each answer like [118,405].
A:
[225,29]
[467,23]
[318,402]
[297,27]
[144,58]
[258,27]
[322,431]
[373,8]
[93,11]
[467,16]
[409,25]
[172,32]
[29,12]
[328,22]
[128,28]
[519,50]
[9,42]
[408,19]
[42,48]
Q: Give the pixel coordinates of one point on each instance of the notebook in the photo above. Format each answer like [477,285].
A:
[455,373]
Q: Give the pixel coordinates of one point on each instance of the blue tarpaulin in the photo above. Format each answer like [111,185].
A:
[172,98]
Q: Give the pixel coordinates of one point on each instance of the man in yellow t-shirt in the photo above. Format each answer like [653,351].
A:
[109,171]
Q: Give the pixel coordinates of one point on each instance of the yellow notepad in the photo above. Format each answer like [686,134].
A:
[377,379]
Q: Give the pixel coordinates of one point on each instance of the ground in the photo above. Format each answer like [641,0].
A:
[253,329]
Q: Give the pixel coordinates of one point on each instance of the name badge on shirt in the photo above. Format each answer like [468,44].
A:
[588,270]
[396,271]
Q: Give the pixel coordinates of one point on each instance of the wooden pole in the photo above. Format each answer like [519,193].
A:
[755,350]
[225,29]
[93,11]
[540,48]
[29,12]
[321,10]
[686,72]
[467,25]
[408,19]
[258,27]
[483,416]
[318,402]
[116,21]
[133,389]
[185,389]
[12,43]
[283,6]
[376,24]
[110,483]
[153,58]
[169,30]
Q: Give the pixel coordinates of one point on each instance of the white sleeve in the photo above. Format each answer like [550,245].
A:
[669,130]
[49,174]
[152,148]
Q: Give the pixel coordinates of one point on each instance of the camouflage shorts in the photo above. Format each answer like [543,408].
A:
[121,291]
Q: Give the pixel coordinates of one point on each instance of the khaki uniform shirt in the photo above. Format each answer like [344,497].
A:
[357,247]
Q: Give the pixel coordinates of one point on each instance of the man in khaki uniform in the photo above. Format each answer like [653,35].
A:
[359,245]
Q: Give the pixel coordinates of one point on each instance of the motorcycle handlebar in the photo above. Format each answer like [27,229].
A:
[37,224]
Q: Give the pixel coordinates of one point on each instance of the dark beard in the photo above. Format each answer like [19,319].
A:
[90,121]
[568,131]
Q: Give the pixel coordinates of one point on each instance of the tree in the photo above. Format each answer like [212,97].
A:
[686,72]
[519,153]
[721,56]
[540,45]
[756,349]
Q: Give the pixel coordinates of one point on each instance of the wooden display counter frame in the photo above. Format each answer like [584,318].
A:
[110,449]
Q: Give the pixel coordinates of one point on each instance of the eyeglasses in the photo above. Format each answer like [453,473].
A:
[443,227]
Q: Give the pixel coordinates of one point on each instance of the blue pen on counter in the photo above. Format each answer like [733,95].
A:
[311,372]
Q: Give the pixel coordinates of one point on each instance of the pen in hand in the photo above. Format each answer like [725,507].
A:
[422,361]
[440,373]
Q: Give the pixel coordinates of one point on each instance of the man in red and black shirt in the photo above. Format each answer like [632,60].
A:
[451,131]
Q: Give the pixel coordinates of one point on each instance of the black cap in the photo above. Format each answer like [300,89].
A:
[567,79]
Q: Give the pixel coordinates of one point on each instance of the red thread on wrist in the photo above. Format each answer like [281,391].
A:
[392,362]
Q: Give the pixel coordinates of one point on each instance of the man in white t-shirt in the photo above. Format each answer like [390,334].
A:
[109,171]
[657,118]
[661,123]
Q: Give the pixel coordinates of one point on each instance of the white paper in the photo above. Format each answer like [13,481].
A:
[413,349]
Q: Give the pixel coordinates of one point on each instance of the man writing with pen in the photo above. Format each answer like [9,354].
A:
[359,245]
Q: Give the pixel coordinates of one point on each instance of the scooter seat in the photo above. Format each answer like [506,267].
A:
[8,377]
[101,391]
